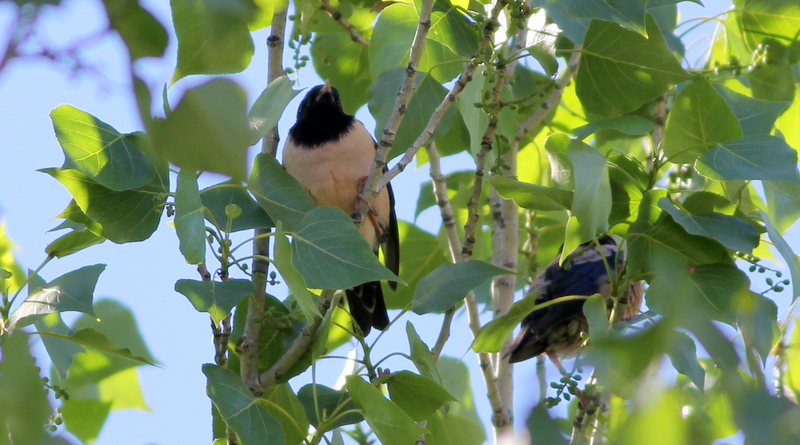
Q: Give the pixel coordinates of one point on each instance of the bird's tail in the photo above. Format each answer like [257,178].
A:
[367,306]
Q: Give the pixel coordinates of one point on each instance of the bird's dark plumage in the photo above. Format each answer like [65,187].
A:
[556,330]
[331,153]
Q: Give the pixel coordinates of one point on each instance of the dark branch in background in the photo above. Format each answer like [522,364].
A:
[463,79]
[337,16]
[255,308]
[502,418]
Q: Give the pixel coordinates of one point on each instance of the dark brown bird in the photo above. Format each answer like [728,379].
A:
[331,153]
[556,330]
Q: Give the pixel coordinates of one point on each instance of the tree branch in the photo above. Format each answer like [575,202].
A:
[337,16]
[255,308]
[552,101]
[502,418]
[297,349]
[463,79]
[371,188]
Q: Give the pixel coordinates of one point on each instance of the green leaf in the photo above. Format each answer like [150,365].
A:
[127,216]
[217,197]
[628,180]
[142,33]
[99,151]
[770,18]
[620,361]
[683,355]
[94,339]
[453,429]
[387,420]
[213,37]
[591,204]
[713,290]
[627,13]
[268,108]
[72,291]
[450,283]
[285,407]
[24,408]
[421,354]
[621,70]
[216,298]
[189,221]
[417,396]
[773,78]
[474,118]
[700,119]
[421,256]
[655,239]
[757,318]
[330,403]
[791,259]
[330,253]
[295,282]
[753,157]
[544,429]
[278,192]
[594,309]
[117,324]
[240,409]
[344,62]
[208,130]
[573,27]
[755,116]
[459,384]
[783,203]
[734,233]
[85,418]
[793,359]
[449,36]
[628,124]
[61,352]
[72,242]
[427,96]
[531,196]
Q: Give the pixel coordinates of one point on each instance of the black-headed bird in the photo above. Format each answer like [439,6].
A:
[331,153]
[557,330]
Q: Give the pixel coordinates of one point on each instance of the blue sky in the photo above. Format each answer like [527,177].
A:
[142,275]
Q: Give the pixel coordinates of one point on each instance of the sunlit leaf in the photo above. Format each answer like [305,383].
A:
[24,407]
[621,69]
[99,151]
[189,220]
[269,106]
[73,291]
[699,119]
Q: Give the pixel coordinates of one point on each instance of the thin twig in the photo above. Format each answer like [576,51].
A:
[255,310]
[337,17]
[553,100]
[453,241]
[463,79]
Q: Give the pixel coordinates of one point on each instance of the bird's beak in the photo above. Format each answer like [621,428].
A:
[326,89]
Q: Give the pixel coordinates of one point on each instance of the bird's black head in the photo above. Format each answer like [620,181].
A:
[320,118]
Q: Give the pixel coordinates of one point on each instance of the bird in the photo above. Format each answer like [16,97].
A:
[558,330]
[331,154]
